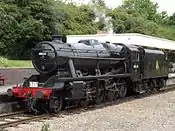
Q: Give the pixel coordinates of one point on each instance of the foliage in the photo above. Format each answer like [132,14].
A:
[172,19]
[141,16]
[45,127]
[23,23]
[145,8]
[74,20]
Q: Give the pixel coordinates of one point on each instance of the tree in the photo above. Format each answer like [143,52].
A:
[145,8]
[74,20]
[172,19]
[24,24]
[127,23]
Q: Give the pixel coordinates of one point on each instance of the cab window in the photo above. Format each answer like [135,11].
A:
[135,56]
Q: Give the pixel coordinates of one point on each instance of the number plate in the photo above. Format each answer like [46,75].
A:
[33,84]
[42,53]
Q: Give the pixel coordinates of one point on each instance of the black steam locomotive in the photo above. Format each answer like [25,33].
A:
[89,71]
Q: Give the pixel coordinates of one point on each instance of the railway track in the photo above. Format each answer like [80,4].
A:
[11,120]
[14,119]
[11,114]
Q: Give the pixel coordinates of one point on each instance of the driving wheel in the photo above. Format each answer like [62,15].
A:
[56,104]
[84,103]
[111,95]
[100,97]
[122,90]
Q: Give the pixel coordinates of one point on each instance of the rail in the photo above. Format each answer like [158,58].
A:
[11,114]
[25,120]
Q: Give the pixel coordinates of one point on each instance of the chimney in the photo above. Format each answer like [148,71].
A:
[57,37]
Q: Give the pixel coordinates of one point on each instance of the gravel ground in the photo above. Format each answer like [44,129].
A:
[155,113]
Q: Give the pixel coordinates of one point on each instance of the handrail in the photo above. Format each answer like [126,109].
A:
[85,50]
[97,58]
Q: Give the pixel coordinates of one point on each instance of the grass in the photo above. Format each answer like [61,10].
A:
[45,127]
[5,63]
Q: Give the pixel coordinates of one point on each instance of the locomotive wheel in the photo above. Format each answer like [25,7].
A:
[111,95]
[122,91]
[100,98]
[56,104]
[84,103]
[158,88]
[160,85]
[151,87]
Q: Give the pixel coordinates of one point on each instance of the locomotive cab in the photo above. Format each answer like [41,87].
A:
[133,59]
[135,64]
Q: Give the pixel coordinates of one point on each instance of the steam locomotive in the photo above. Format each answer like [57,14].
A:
[89,71]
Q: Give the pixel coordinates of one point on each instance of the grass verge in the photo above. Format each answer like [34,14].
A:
[5,63]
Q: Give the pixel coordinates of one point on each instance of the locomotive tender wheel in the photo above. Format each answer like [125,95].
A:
[160,85]
[158,88]
[151,87]
[56,104]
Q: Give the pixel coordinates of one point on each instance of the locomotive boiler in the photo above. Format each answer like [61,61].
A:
[89,71]
[50,57]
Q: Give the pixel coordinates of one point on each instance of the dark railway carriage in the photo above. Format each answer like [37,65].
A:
[89,71]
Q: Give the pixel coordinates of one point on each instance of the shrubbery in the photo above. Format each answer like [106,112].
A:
[23,23]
